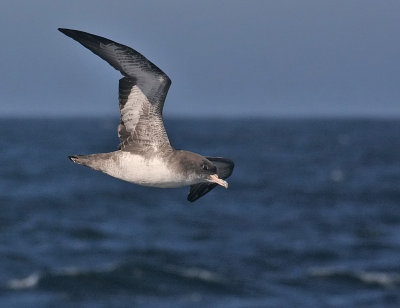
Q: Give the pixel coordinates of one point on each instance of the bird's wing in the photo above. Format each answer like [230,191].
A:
[142,92]
[224,170]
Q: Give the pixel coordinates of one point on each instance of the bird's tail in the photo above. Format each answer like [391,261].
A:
[94,161]
[79,159]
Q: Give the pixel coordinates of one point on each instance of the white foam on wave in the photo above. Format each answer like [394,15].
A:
[76,271]
[24,283]
[195,273]
[33,279]
[384,279]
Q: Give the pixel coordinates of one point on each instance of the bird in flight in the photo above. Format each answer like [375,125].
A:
[145,155]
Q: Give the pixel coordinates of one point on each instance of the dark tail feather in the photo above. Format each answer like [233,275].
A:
[94,161]
[77,159]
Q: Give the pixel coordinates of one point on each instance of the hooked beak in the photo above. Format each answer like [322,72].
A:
[215,179]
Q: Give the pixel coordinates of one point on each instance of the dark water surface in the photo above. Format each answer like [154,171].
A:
[311,218]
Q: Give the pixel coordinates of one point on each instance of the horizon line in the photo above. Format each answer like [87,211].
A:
[282,116]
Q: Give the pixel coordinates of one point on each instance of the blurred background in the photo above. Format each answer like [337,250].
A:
[302,95]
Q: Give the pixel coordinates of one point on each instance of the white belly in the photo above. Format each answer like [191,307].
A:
[148,172]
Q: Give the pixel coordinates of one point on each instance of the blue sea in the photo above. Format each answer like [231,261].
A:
[311,218]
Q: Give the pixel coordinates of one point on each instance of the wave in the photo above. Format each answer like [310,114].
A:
[383,279]
[139,278]
[24,283]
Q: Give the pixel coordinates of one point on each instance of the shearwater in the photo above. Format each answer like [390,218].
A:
[145,155]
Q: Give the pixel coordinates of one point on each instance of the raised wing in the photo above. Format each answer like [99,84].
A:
[224,170]
[141,128]
[142,92]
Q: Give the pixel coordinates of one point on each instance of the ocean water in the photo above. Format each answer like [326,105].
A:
[311,218]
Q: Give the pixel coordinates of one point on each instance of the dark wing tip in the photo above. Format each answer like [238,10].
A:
[199,190]
[74,34]
[64,30]
[230,164]
[84,37]
[69,32]
[190,198]
[127,60]
[224,165]
[222,160]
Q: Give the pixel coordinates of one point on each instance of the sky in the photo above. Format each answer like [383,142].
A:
[236,58]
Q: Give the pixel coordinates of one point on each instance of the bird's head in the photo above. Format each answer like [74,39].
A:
[200,169]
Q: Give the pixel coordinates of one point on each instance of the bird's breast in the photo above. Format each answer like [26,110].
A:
[148,171]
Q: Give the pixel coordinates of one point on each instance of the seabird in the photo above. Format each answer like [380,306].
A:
[145,155]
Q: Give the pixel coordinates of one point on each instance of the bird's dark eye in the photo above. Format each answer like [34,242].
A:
[205,167]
